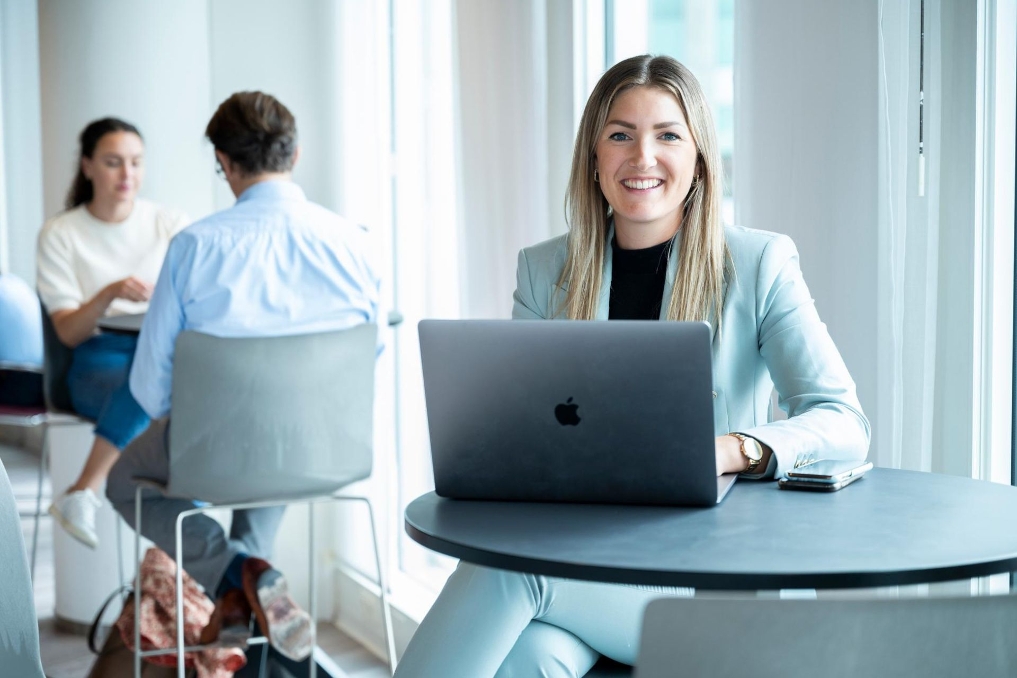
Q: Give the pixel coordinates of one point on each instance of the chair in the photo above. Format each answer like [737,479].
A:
[889,638]
[54,410]
[57,359]
[19,639]
[268,421]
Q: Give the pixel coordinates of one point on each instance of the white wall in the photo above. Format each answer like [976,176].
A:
[289,51]
[22,176]
[145,62]
[807,150]
[955,367]
[502,78]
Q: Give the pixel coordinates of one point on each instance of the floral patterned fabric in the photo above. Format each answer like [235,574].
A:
[158,619]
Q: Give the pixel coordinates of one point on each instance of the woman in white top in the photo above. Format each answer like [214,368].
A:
[101,257]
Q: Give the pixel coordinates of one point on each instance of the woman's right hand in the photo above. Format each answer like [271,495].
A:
[130,288]
[76,326]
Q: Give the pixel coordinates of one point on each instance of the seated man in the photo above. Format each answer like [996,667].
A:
[221,277]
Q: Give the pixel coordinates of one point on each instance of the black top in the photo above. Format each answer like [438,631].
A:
[637,281]
[889,528]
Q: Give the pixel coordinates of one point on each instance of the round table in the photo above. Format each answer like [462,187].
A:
[889,528]
[131,323]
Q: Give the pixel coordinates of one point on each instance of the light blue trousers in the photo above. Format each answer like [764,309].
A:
[489,623]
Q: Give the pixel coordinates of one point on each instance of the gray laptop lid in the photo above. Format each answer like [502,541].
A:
[578,411]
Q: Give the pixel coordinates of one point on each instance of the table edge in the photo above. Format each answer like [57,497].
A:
[726,581]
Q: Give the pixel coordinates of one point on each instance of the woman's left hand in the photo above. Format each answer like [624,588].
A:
[731,460]
[729,456]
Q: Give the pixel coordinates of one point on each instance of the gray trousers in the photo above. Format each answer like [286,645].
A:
[207,551]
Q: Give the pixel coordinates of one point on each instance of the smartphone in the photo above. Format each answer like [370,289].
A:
[829,471]
[813,486]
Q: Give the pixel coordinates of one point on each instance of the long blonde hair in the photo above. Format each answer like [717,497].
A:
[698,292]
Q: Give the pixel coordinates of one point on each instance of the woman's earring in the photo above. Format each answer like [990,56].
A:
[596,176]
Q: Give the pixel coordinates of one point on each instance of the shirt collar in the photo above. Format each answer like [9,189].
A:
[276,189]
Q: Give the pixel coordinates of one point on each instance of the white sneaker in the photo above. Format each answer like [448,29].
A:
[75,511]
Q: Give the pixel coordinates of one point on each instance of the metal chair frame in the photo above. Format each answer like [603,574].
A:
[45,419]
[181,648]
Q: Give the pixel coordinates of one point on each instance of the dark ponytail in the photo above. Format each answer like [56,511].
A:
[81,190]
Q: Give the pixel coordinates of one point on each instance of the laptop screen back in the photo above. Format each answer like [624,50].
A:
[576,411]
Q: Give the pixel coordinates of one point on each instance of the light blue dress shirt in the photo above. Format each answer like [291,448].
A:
[274,264]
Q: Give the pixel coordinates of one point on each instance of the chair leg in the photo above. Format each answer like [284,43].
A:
[137,583]
[312,665]
[120,550]
[386,611]
[179,596]
[38,496]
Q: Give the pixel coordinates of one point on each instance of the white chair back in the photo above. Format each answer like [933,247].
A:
[257,419]
[885,638]
[19,628]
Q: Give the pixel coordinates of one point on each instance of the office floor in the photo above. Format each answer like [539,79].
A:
[66,655]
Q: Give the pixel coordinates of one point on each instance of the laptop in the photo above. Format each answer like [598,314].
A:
[616,412]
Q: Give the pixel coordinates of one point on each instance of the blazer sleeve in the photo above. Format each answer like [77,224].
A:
[524,304]
[814,387]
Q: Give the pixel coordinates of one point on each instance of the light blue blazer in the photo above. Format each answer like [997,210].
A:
[771,337]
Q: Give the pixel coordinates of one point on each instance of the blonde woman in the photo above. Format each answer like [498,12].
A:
[646,242]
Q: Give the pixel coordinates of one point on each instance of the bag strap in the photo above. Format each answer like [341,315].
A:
[93,631]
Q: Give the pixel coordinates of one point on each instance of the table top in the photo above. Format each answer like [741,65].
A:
[122,324]
[131,323]
[889,528]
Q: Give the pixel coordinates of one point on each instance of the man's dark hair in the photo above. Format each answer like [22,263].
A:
[255,131]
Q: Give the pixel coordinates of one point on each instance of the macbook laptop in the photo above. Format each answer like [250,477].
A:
[571,411]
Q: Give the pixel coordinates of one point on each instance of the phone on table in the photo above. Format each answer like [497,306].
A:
[824,475]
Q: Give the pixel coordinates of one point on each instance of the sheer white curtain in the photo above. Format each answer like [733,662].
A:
[22,135]
[946,255]
[4,248]
[909,240]
[502,78]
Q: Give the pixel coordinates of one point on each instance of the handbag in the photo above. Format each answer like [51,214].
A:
[158,627]
[114,659]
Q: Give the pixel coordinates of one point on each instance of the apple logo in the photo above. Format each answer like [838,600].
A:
[566,414]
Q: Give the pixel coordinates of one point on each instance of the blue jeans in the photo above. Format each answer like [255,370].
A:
[98,383]
[492,623]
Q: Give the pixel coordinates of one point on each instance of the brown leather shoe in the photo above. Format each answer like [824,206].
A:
[230,622]
[287,627]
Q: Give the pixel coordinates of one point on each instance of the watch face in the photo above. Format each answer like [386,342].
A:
[753,450]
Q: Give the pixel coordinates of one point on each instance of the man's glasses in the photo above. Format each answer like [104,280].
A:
[219,170]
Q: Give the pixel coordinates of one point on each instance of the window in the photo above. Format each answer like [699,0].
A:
[425,247]
[425,241]
[701,36]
